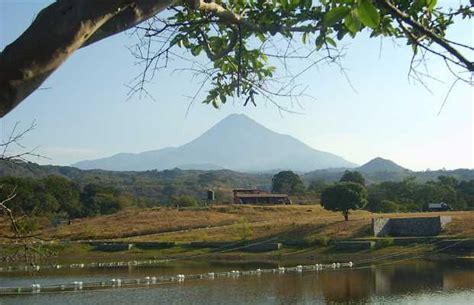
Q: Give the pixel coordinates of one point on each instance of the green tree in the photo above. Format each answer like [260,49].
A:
[412,196]
[31,198]
[66,193]
[466,190]
[184,201]
[404,193]
[234,35]
[97,199]
[287,182]
[448,181]
[352,176]
[317,186]
[344,196]
[387,206]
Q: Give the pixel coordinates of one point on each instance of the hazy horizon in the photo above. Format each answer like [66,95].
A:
[230,115]
[83,113]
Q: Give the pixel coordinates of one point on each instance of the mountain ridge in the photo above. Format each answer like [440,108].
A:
[236,142]
[379,164]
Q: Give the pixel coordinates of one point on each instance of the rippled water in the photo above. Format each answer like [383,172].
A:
[415,282]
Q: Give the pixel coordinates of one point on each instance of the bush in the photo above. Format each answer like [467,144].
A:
[324,241]
[387,206]
[27,225]
[384,242]
[244,230]
[184,201]
[287,182]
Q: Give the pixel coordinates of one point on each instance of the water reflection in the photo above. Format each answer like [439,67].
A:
[341,286]
[447,282]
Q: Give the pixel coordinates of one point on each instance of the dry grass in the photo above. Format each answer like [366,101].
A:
[224,223]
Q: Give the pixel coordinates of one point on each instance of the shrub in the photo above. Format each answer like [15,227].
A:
[384,242]
[324,241]
[387,206]
[184,201]
[244,230]
[27,225]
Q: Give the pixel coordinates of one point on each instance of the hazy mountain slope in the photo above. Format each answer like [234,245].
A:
[374,171]
[236,143]
[381,165]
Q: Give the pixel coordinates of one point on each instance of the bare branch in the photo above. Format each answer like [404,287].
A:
[399,15]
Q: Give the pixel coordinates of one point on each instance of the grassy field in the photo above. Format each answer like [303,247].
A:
[237,222]
[310,224]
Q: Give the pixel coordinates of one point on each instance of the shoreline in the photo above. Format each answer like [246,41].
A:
[87,254]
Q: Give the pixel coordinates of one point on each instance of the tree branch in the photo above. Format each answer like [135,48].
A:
[215,56]
[67,25]
[57,32]
[398,14]
[227,16]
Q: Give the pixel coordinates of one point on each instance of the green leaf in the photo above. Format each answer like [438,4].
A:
[331,41]
[196,50]
[431,4]
[417,5]
[319,42]
[335,15]
[342,32]
[368,14]
[305,38]
[223,98]
[261,37]
[294,3]
[352,22]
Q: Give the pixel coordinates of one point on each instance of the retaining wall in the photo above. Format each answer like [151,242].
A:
[414,226]
[354,245]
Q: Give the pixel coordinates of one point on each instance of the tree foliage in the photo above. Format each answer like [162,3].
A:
[55,196]
[97,199]
[387,206]
[317,186]
[287,182]
[412,196]
[184,201]
[344,196]
[353,176]
[238,37]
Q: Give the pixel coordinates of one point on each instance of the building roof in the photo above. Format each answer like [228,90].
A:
[440,204]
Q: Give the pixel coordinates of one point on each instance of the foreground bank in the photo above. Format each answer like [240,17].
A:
[249,233]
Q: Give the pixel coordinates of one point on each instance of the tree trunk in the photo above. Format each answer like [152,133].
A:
[346,215]
[58,31]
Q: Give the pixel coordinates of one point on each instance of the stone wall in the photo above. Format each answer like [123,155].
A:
[380,226]
[414,226]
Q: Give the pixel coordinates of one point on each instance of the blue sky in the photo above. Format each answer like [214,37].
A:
[85,114]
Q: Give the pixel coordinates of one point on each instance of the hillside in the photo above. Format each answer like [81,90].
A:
[221,223]
[237,143]
[158,186]
[379,170]
[381,165]
[152,186]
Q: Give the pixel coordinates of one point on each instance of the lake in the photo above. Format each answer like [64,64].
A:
[409,282]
